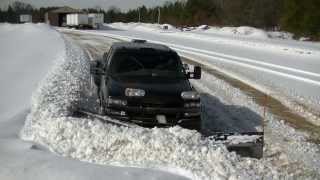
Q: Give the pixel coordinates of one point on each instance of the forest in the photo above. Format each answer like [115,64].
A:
[299,17]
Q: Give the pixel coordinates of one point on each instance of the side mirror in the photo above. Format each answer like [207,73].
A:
[186,67]
[96,68]
[196,74]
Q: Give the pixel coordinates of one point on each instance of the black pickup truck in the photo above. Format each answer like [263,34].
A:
[147,84]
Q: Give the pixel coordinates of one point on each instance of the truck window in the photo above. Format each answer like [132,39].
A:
[159,63]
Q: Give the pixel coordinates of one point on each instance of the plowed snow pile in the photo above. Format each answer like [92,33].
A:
[175,150]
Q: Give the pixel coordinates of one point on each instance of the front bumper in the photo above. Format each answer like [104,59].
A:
[189,118]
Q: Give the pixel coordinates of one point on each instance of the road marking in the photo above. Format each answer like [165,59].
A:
[128,38]
[223,57]
[249,60]
[253,67]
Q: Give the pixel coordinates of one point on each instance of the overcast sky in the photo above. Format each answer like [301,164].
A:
[122,4]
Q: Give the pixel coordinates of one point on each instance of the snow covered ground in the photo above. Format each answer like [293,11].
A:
[60,146]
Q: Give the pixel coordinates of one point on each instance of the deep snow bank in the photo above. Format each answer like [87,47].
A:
[241,31]
[26,54]
[175,149]
[246,31]
[144,27]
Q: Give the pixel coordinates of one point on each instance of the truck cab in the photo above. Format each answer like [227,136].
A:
[147,84]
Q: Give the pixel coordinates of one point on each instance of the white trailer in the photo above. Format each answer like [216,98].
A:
[25,18]
[96,20]
[77,20]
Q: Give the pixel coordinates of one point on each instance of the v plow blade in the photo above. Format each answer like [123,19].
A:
[248,144]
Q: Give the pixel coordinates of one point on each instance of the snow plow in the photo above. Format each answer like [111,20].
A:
[146,84]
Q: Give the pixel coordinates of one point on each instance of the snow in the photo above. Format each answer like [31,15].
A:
[58,145]
[22,65]
[27,53]
[242,31]
[162,28]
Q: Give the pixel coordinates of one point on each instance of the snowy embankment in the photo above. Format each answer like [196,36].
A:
[242,31]
[24,62]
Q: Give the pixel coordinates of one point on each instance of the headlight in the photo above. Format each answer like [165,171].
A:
[190,95]
[135,92]
[192,105]
[118,102]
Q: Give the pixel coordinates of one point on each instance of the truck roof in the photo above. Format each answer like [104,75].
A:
[139,45]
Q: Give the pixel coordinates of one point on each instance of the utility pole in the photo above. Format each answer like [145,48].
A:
[159,15]
[139,15]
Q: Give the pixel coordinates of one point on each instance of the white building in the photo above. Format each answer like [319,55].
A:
[25,18]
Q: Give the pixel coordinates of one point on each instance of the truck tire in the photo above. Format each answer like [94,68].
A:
[102,109]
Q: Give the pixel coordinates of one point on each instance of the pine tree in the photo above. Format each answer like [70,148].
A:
[301,17]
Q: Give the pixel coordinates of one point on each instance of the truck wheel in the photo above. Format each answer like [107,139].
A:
[102,109]
[101,105]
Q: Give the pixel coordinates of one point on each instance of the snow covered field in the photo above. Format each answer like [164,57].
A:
[60,146]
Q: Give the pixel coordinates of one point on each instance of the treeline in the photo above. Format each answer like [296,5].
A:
[14,10]
[299,17]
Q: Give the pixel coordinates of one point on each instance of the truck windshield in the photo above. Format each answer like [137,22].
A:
[140,63]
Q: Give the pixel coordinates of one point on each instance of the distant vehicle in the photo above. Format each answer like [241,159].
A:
[25,18]
[85,21]
[96,20]
[147,84]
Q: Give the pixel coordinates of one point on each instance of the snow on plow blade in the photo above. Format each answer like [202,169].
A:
[248,144]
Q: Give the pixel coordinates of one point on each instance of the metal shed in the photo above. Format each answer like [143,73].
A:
[58,17]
